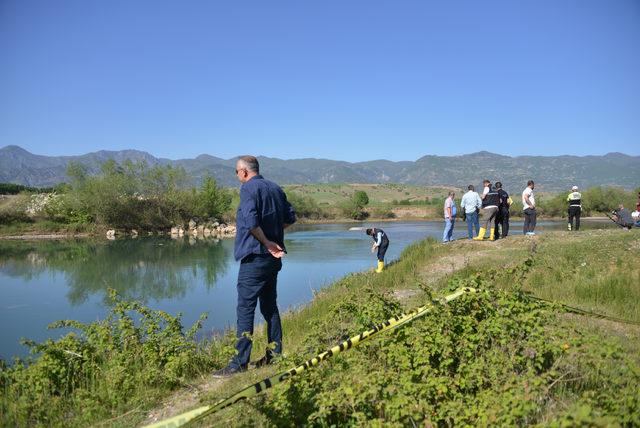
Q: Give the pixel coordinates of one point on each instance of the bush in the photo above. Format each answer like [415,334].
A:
[595,200]
[350,210]
[461,365]
[62,208]
[383,212]
[136,196]
[90,375]
[14,189]
[10,216]
[360,198]
[211,200]
[354,207]
[306,207]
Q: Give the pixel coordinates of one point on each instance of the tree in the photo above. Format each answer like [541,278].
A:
[212,201]
[360,199]
[354,207]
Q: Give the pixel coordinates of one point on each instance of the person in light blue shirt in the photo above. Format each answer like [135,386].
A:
[450,212]
[470,205]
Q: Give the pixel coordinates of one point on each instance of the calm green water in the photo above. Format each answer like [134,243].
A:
[41,282]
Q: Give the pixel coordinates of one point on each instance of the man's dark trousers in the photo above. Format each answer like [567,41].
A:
[529,220]
[502,220]
[574,212]
[257,280]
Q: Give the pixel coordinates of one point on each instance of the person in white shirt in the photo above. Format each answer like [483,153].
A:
[529,207]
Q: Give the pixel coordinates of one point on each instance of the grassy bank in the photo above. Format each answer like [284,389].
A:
[492,358]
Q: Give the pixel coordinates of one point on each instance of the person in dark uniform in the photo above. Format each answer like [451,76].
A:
[262,216]
[575,209]
[490,202]
[502,215]
[381,242]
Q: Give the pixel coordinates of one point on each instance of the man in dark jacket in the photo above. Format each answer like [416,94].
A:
[502,216]
[574,200]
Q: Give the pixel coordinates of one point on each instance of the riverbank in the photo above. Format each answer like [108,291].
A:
[464,364]
[512,363]
[35,231]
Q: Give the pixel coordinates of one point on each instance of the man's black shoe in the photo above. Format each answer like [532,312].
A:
[264,361]
[227,371]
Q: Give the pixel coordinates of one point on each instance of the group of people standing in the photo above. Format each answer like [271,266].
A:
[488,213]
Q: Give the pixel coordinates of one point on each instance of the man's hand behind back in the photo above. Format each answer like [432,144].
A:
[274,249]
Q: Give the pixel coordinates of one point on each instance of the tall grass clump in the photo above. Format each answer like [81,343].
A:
[591,272]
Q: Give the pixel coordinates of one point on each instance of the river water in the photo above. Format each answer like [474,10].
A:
[41,282]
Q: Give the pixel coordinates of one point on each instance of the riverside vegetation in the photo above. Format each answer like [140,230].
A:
[491,358]
[127,196]
[135,196]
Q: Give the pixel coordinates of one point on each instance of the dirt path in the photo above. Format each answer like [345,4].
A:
[466,253]
[182,400]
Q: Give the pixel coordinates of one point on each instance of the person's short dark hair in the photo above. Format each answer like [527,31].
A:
[498,185]
[530,182]
[470,187]
[451,193]
[369,231]
[486,181]
[251,163]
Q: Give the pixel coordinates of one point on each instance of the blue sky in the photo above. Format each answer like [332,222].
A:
[348,80]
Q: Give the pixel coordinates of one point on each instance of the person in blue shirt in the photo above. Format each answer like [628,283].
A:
[262,216]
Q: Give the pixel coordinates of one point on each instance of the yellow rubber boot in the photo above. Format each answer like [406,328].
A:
[380,267]
[481,233]
[492,236]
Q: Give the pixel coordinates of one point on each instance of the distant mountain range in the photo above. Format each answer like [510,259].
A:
[551,173]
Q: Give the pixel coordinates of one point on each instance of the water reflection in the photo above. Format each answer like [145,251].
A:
[141,269]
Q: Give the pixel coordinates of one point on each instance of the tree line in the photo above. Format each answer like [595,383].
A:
[133,195]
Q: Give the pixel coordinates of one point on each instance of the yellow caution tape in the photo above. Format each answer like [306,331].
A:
[202,412]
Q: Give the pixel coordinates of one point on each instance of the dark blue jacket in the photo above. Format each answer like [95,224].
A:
[262,203]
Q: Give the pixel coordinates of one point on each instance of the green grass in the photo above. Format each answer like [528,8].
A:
[494,358]
[379,194]
[385,200]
